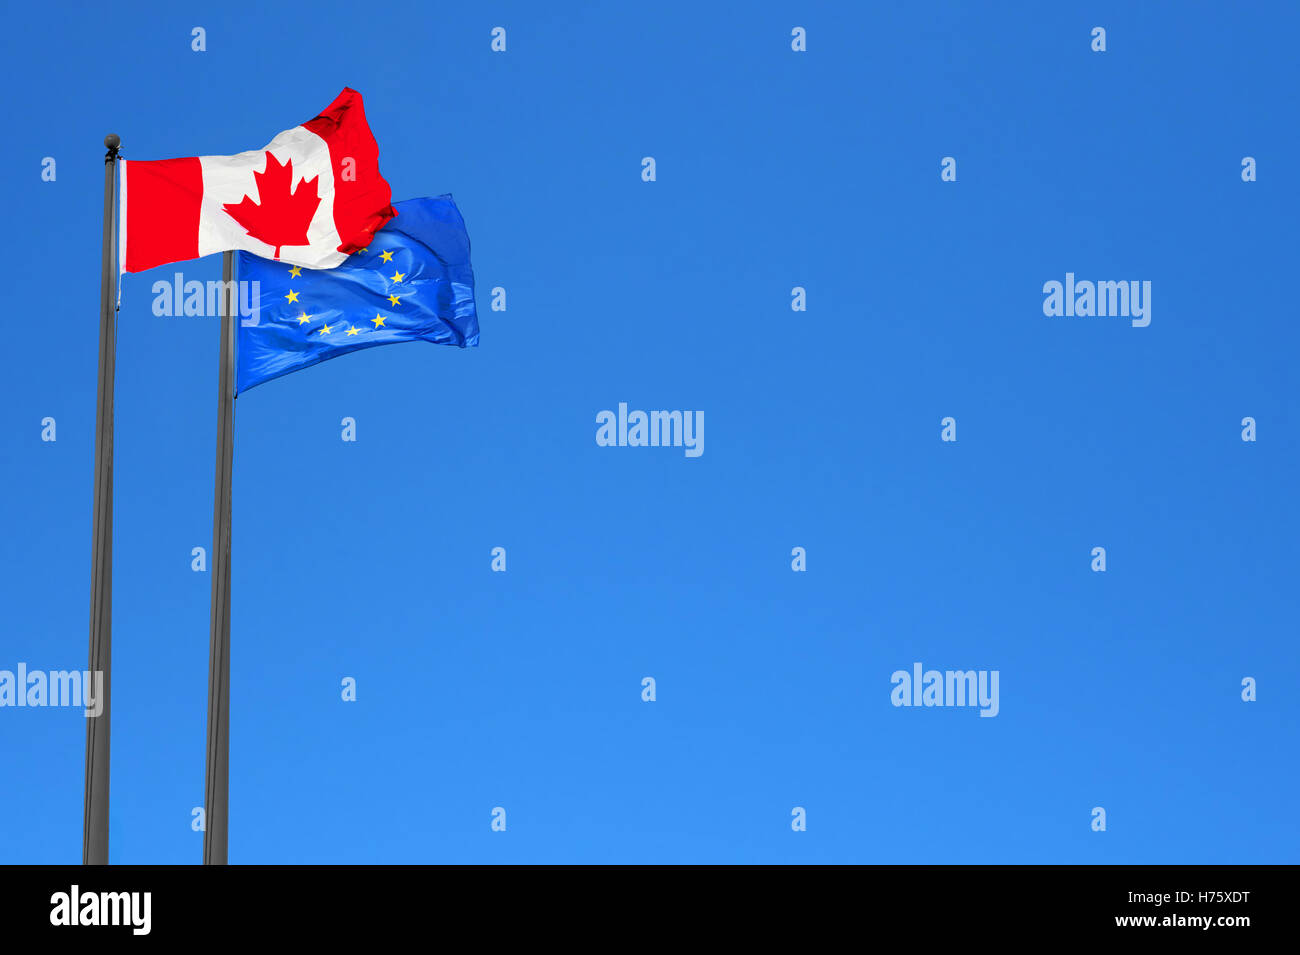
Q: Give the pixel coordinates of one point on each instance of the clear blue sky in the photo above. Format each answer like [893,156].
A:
[775,169]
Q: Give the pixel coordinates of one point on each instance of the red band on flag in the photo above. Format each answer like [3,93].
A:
[362,199]
[161,212]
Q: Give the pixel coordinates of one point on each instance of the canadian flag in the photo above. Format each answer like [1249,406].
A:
[311,197]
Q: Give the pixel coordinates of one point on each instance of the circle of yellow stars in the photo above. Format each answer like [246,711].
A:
[394,300]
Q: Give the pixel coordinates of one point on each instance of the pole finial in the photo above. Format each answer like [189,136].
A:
[112,140]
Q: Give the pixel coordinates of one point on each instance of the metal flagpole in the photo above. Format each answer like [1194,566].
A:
[94,841]
[217,784]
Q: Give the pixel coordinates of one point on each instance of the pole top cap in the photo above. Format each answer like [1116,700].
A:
[112,140]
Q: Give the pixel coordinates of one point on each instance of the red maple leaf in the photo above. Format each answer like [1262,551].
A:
[284,214]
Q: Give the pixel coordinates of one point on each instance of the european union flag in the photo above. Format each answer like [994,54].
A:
[412,283]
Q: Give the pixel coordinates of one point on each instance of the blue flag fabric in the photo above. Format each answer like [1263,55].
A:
[412,283]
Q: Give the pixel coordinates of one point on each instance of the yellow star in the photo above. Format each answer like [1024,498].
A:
[398,276]
[296,272]
[304,318]
[353,330]
[386,256]
[292,296]
[378,320]
[394,299]
[366,249]
[325,330]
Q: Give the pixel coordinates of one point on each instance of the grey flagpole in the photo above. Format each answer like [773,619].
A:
[217,782]
[94,839]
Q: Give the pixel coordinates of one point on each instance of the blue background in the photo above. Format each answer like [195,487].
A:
[775,169]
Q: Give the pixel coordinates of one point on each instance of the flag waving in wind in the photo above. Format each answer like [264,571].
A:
[412,283]
[332,268]
[309,198]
